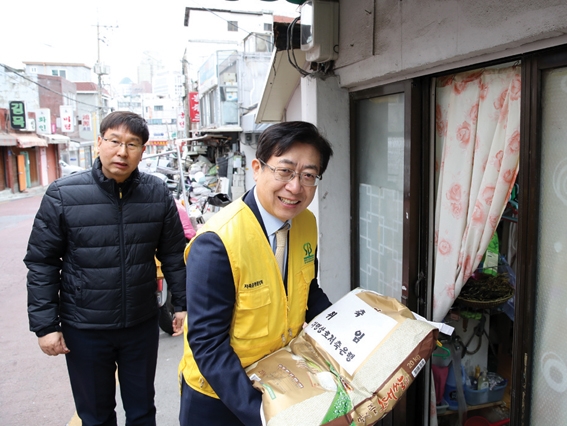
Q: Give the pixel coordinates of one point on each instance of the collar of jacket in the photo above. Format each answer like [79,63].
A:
[110,185]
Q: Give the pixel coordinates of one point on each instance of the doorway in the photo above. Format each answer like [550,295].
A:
[541,246]
[387,186]
[477,149]
[515,338]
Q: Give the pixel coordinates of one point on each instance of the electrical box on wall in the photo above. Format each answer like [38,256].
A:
[320,30]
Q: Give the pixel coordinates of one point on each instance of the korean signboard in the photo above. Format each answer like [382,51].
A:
[86,122]
[194,107]
[181,121]
[208,74]
[17,115]
[66,113]
[43,118]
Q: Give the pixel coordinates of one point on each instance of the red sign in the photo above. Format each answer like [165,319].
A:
[181,121]
[86,122]
[66,113]
[194,107]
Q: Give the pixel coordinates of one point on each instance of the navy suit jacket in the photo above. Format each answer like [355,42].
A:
[210,303]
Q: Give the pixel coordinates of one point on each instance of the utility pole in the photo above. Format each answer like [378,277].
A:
[100,69]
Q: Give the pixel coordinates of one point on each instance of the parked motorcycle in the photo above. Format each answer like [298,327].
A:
[180,187]
[172,184]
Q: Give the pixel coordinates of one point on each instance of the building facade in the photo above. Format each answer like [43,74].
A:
[26,158]
[87,99]
[381,97]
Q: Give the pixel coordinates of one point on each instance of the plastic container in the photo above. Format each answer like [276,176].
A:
[450,395]
[485,396]
[481,421]
[442,408]
[482,381]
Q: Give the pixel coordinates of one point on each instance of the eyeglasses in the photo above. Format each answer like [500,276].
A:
[283,174]
[132,147]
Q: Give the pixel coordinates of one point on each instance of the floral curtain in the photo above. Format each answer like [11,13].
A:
[478,130]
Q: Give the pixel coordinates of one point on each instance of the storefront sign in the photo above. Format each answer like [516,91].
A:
[17,115]
[43,118]
[67,124]
[208,74]
[181,121]
[194,107]
[86,123]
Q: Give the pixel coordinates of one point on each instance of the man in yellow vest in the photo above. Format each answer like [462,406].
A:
[242,304]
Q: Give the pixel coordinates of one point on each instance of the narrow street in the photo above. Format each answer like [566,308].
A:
[34,388]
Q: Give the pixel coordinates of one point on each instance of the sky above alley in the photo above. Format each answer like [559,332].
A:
[66,31]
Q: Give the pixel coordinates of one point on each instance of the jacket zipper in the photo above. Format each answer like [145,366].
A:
[122,256]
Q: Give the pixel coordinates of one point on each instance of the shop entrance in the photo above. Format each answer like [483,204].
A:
[23,172]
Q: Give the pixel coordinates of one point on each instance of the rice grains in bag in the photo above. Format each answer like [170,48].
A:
[349,366]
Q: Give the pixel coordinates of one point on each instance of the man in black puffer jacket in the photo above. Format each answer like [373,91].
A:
[92,274]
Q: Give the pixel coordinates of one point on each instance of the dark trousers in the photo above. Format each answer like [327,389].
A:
[197,409]
[92,361]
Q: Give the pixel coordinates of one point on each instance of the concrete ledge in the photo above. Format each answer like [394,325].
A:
[8,195]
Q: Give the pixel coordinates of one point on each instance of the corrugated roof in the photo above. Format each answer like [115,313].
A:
[86,86]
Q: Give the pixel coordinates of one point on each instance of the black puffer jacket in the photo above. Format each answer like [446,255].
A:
[91,252]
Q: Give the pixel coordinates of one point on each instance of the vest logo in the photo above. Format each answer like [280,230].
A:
[254,284]
[309,256]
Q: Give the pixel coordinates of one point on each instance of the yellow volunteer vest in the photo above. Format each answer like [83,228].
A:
[264,319]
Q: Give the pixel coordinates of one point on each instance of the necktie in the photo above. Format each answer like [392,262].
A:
[281,238]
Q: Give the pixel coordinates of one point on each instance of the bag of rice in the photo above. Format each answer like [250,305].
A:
[349,366]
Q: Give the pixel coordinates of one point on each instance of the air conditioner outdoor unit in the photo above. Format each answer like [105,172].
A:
[101,69]
[320,30]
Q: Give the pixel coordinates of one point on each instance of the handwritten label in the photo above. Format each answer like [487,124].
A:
[350,330]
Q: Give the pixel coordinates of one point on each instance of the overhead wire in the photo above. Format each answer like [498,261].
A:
[15,71]
[266,39]
[322,70]
[289,47]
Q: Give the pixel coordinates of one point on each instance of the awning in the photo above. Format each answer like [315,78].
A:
[29,140]
[220,129]
[203,138]
[83,142]
[289,1]
[55,138]
[282,81]
[197,138]
[7,140]
[249,124]
[157,143]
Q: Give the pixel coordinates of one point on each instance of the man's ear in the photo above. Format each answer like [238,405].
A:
[256,167]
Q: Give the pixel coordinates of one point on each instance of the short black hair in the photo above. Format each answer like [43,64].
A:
[279,138]
[130,120]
